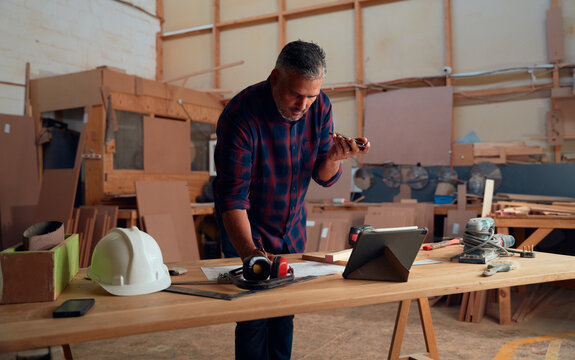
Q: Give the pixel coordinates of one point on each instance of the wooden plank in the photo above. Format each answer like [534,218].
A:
[94,167]
[567,108]
[534,198]
[66,91]
[342,255]
[118,81]
[326,242]
[462,154]
[448,36]
[216,41]
[390,216]
[122,182]
[57,195]
[341,222]
[555,36]
[553,207]
[487,197]
[205,71]
[313,233]
[479,306]
[161,228]
[58,191]
[507,150]
[106,219]
[399,329]
[86,222]
[535,221]
[170,197]
[427,325]
[402,214]
[463,308]
[163,108]
[504,296]
[457,219]
[20,182]
[535,238]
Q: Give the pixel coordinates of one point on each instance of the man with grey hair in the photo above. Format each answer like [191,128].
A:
[274,137]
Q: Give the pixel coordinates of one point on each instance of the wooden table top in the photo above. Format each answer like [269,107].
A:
[26,326]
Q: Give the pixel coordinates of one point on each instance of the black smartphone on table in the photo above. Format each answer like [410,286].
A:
[73,308]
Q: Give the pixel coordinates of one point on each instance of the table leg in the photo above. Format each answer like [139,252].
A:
[67,352]
[401,323]
[504,295]
[427,325]
[535,238]
[399,330]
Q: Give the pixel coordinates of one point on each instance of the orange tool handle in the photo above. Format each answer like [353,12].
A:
[441,244]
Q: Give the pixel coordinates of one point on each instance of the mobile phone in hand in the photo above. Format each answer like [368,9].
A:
[73,308]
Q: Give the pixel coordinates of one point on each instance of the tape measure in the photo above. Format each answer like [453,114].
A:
[354,232]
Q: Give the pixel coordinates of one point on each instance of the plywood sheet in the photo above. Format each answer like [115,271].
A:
[58,191]
[313,232]
[338,224]
[390,216]
[66,91]
[409,126]
[341,189]
[57,195]
[19,183]
[456,221]
[555,46]
[170,197]
[402,214]
[463,155]
[161,228]
[566,107]
[167,146]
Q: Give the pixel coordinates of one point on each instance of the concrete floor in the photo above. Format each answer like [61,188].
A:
[365,333]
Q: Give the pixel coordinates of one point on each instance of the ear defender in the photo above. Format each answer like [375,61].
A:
[280,267]
[258,267]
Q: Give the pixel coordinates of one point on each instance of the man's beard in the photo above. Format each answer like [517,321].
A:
[288,117]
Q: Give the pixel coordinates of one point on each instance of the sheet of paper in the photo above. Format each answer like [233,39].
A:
[300,269]
[425,262]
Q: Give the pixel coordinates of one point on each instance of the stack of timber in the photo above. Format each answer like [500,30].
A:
[91,223]
[527,208]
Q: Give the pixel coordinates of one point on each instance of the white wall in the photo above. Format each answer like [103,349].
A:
[65,36]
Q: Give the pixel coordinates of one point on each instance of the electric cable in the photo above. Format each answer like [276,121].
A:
[483,240]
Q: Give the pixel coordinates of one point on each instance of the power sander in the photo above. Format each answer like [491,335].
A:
[481,244]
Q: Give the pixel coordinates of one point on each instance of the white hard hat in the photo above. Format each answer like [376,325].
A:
[129,262]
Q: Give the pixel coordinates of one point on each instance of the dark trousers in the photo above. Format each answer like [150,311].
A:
[266,339]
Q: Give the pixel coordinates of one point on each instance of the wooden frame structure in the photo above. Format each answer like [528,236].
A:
[359,89]
[105,90]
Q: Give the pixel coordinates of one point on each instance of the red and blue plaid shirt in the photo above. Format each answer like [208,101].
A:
[264,164]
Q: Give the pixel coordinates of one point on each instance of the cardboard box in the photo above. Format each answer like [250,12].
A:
[32,276]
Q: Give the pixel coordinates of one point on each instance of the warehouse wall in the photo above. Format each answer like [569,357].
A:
[401,39]
[64,36]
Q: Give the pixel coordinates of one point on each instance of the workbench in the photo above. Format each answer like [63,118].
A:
[543,225]
[27,326]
